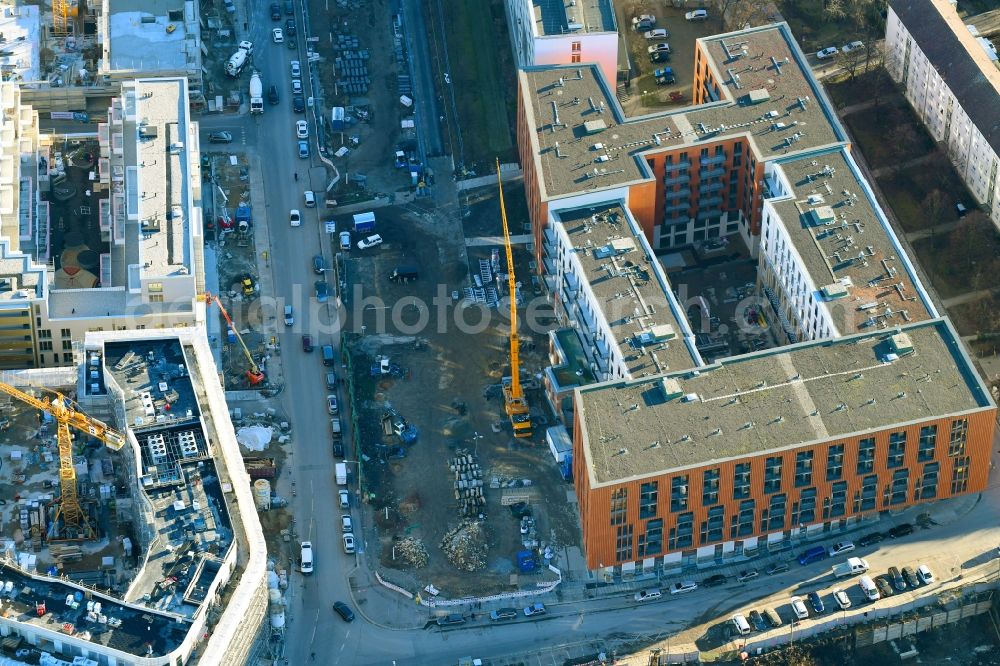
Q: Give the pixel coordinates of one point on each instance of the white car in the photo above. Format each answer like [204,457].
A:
[799,608]
[842,599]
[349,543]
[697,15]
[295,218]
[643,22]
[301,129]
[925,575]
[278,36]
[853,46]
[683,586]
[346,525]
[662,47]
[840,548]
[296,70]
[659,33]
[345,499]
[306,557]
[331,404]
[827,53]
[345,240]
[371,241]
[647,595]
[289,317]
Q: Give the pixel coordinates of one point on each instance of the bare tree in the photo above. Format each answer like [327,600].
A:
[934,206]
[739,14]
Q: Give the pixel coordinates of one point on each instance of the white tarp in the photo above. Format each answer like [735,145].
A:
[254,438]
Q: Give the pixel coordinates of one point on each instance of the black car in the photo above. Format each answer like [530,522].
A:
[298,104]
[883,585]
[870,539]
[897,579]
[451,619]
[776,568]
[289,8]
[290,28]
[900,530]
[712,581]
[272,95]
[344,611]
[319,264]
[220,137]
[659,56]
[757,620]
[338,450]
[275,12]
[911,577]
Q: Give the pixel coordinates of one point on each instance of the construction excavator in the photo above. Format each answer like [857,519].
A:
[253,374]
[63,410]
[513,394]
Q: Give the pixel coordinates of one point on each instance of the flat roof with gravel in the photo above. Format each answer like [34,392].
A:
[775,400]
[560,17]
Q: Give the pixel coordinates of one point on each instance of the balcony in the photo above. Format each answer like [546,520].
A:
[710,187]
[680,165]
[710,202]
[682,179]
[714,159]
[711,173]
[706,213]
[682,206]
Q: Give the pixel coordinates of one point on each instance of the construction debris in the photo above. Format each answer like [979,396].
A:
[410,552]
[466,546]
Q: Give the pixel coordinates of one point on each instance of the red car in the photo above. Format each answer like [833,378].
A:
[307,343]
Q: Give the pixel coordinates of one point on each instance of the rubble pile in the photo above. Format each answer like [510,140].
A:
[465,546]
[410,552]
[468,483]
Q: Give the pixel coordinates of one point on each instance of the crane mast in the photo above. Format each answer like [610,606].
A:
[516,405]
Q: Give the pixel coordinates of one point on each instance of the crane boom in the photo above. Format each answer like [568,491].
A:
[516,405]
[61,409]
[254,374]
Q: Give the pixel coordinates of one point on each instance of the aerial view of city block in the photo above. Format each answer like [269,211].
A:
[499,332]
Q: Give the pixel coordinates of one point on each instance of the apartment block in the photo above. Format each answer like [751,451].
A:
[554,32]
[99,230]
[953,84]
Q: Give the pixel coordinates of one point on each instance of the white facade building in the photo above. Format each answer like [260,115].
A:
[553,32]
[953,85]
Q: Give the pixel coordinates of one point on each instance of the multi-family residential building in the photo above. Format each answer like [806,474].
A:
[782,444]
[953,83]
[99,231]
[548,32]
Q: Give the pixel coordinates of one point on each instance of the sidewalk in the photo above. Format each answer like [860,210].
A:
[969,296]
[886,170]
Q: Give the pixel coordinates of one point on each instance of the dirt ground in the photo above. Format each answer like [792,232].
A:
[441,392]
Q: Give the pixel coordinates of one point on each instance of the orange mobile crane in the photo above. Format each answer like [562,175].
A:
[254,374]
[513,394]
[75,524]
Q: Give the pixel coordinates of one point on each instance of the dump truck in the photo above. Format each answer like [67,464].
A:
[256,94]
[852,567]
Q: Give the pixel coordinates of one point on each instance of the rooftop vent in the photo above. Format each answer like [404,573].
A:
[594,126]
[834,291]
[671,388]
[820,216]
[757,96]
[148,131]
[176,147]
[901,344]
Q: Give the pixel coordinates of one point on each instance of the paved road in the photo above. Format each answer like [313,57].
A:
[422,73]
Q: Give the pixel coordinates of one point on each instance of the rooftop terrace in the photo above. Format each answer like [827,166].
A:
[778,399]
[573,110]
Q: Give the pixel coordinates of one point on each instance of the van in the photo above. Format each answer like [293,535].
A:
[310,199]
[328,356]
[867,586]
[306,557]
[772,617]
[741,625]
[331,380]
[814,554]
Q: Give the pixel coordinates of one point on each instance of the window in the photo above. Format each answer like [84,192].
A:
[651,543]
[900,485]
[45,334]
[710,487]
[803,468]
[897,449]
[45,345]
[575,57]
[67,357]
[866,455]
[773,517]
[679,493]
[576,46]
[67,345]
[956,444]
[835,462]
[928,441]
[65,333]
[623,543]
[836,504]
[647,499]
[864,499]
[619,505]
[155,287]
[712,529]
[682,536]
[807,508]
[742,523]
[772,475]
[928,482]
[960,475]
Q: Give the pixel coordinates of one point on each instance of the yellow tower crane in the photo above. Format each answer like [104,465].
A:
[513,394]
[61,408]
[62,13]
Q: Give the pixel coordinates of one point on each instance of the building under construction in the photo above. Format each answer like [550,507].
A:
[163,527]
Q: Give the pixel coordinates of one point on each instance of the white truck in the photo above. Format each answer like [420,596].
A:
[852,567]
[340,471]
[256,94]
[239,60]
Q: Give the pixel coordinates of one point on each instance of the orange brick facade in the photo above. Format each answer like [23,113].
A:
[961,470]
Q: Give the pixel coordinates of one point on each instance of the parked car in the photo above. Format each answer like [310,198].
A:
[370,241]
[307,342]
[290,27]
[757,620]
[664,76]
[338,451]
[319,264]
[659,56]
[840,548]
[501,614]
[278,36]
[814,554]
[651,594]
[870,538]
[345,499]
[534,609]
[275,12]
[697,15]
[296,86]
[661,47]
[911,577]
[900,531]
[747,575]
[322,291]
[776,568]
[450,619]
[643,22]
[301,129]
[925,575]
[772,617]
[713,580]
[816,602]
[897,579]
[683,587]
[289,8]
[220,137]
[344,611]
[883,585]
[298,103]
[843,601]
[294,217]
[346,524]
[827,53]
[272,95]
[304,150]
[345,240]
[349,544]
[296,69]
[799,608]
[659,33]
[331,407]
[853,46]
